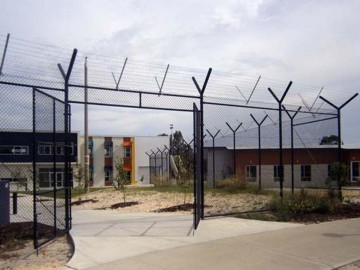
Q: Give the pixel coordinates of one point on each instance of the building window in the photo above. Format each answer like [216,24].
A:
[14,150]
[251,173]
[47,178]
[127,152]
[47,149]
[44,150]
[278,173]
[90,151]
[305,172]
[108,151]
[355,176]
[108,176]
[331,172]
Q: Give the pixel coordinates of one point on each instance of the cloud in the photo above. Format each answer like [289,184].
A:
[309,42]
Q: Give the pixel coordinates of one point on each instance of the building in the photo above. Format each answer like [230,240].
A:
[312,166]
[313,160]
[16,158]
[104,152]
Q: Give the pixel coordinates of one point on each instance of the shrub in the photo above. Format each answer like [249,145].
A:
[232,184]
[301,203]
[161,181]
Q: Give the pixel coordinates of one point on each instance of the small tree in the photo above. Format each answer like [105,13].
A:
[339,171]
[121,179]
[78,175]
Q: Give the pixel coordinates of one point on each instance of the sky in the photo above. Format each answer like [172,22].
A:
[312,42]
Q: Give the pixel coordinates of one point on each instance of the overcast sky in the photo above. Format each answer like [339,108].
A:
[313,42]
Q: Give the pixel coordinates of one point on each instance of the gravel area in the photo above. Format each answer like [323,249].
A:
[151,201]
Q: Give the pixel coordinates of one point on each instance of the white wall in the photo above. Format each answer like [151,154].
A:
[99,162]
[142,145]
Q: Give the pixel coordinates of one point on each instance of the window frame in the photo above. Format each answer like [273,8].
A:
[353,179]
[13,149]
[303,173]
[249,176]
[277,172]
[108,151]
[108,176]
[127,152]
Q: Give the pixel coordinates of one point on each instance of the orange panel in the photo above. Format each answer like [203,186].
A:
[126,144]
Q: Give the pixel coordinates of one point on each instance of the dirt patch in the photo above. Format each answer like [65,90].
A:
[17,250]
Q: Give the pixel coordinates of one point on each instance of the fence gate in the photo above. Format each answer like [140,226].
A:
[197,168]
[51,182]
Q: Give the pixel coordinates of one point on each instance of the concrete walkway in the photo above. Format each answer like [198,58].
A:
[113,240]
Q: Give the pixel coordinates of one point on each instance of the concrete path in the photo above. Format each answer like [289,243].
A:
[112,240]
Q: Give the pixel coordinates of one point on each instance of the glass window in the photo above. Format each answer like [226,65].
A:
[305,172]
[127,152]
[47,178]
[44,150]
[278,172]
[14,150]
[355,171]
[108,176]
[108,151]
[47,149]
[90,151]
[251,173]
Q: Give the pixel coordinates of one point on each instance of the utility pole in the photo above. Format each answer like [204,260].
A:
[86,138]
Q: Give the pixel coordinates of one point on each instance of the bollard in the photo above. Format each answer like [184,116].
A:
[15,197]
[4,203]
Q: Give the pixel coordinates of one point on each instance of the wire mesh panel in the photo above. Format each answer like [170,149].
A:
[159,167]
[242,152]
[51,149]
[15,154]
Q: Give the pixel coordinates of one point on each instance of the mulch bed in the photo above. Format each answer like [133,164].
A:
[179,207]
[80,202]
[119,205]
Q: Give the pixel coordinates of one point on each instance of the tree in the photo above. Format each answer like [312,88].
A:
[339,171]
[184,158]
[329,140]
[78,175]
[121,178]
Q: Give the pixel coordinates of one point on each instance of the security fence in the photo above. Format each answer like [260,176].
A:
[250,132]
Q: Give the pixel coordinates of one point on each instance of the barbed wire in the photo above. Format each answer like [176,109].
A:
[38,61]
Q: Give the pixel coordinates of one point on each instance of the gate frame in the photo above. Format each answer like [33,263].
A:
[66,162]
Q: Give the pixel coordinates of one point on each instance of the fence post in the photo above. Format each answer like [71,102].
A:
[234,143]
[338,109]
[279,101]
[259,144]
[201,92]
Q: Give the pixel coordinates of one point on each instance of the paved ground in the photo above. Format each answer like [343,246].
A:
[112,240]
